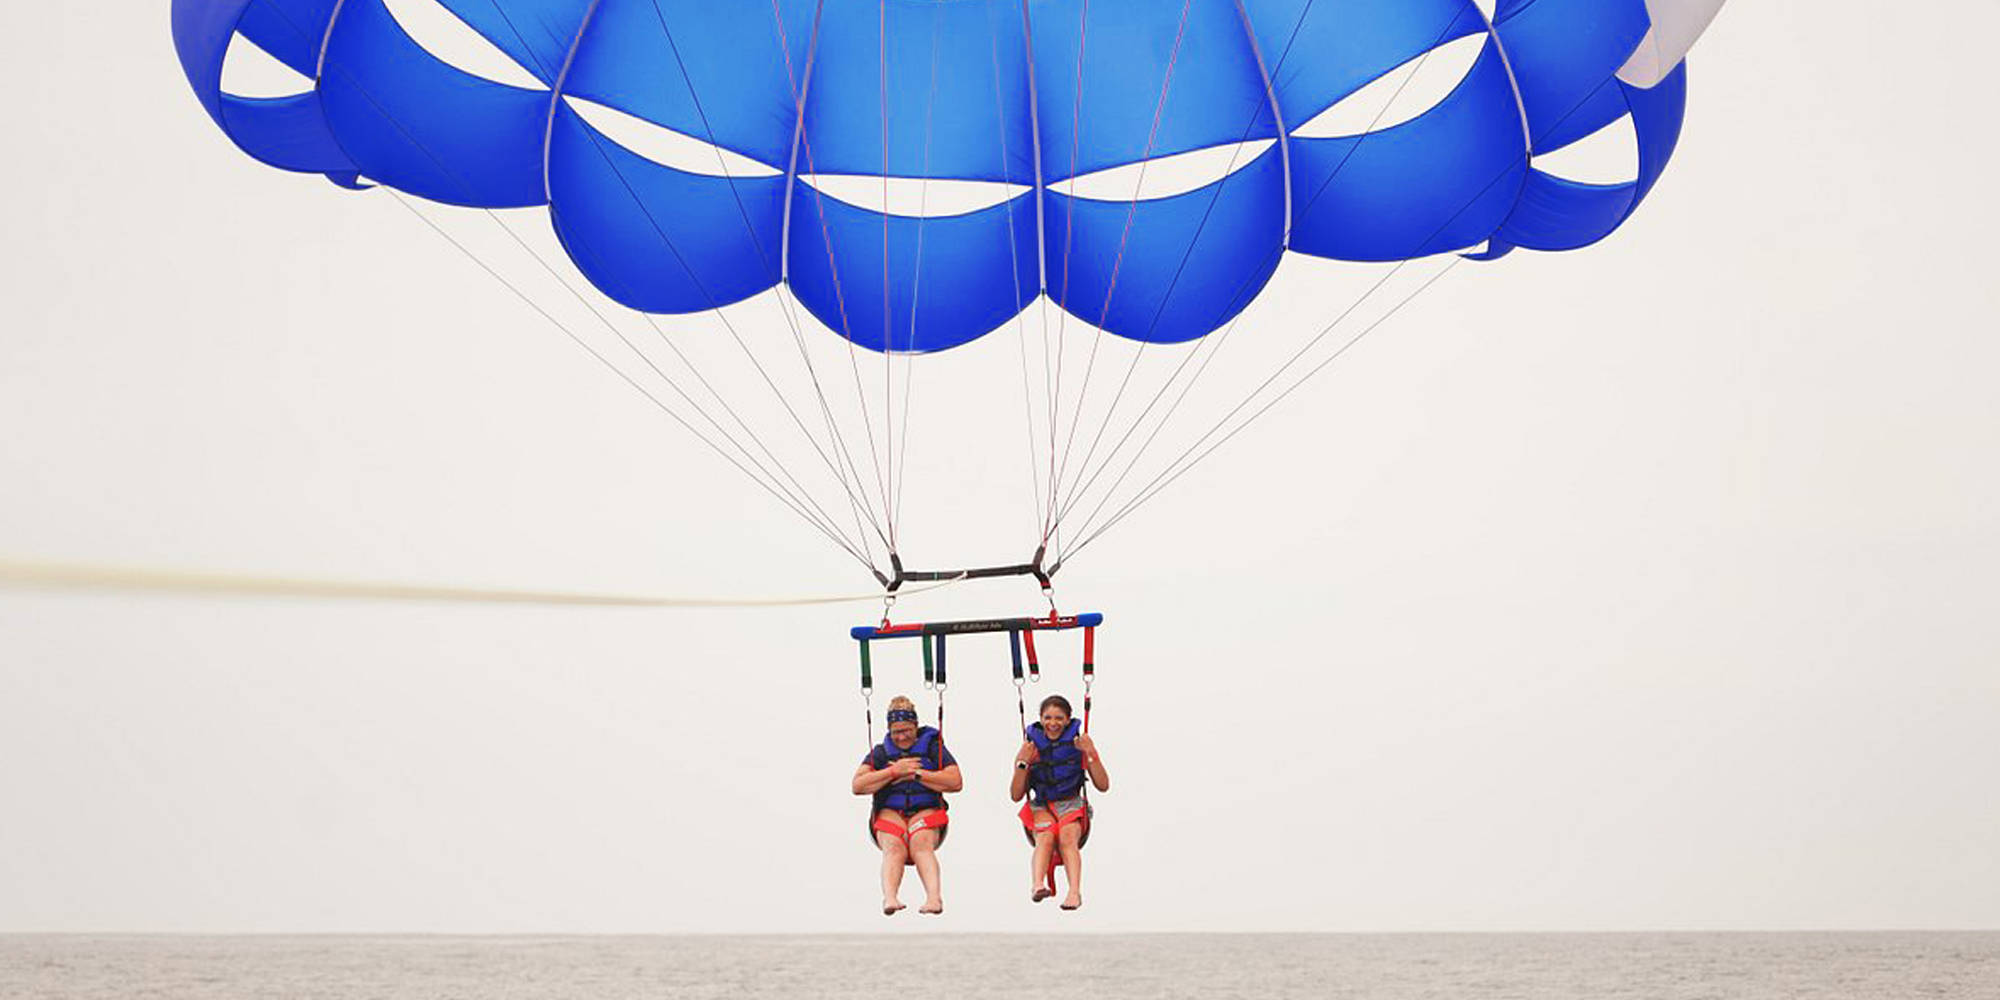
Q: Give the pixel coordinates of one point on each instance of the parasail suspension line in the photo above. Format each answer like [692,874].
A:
[804,496]
[899,462]
[800,89]
[714,307]
[1169,475]
[774,487]
[1118,261]
[1013,247]
[1077,491]
[1082,485]
[888,335]
[1069,241]
[1365,296]
[803,144]
[855,504]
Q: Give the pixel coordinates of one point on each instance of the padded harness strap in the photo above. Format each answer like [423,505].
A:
[936,820]
[1080,818]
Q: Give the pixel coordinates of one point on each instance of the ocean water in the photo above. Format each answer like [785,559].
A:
[1803,966]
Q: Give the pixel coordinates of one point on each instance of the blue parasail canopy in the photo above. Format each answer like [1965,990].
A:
[918,171]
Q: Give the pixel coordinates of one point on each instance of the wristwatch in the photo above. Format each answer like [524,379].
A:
[1020,765]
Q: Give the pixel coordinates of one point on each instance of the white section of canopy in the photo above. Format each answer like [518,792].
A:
[664,146]
[1164,176]
[249,71]
[1400,95]
[1677,24]
[914,197]
[1609,155]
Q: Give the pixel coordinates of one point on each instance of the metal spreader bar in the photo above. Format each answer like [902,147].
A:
[1053,623]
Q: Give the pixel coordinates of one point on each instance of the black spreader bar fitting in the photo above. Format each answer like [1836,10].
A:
[892,583]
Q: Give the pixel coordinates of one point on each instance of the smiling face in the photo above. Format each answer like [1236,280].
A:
[903,734]
[1054,720]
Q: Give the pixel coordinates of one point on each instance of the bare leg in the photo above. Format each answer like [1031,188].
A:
[1038,863]
[1069,842]
[894,852]
[923,854]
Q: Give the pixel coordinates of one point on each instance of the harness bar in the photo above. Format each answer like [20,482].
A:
[1053,623]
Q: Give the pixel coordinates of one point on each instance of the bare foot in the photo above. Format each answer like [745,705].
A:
[1041,892]
[931,907]
[1072,901]
[890,906]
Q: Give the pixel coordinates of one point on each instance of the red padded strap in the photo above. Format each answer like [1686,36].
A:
[1081,817]
[1028,816]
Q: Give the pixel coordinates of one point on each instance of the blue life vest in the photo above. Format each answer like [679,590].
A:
[1059,774]
[911,795]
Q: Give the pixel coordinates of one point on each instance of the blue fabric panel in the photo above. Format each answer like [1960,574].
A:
[664,240]
[1558,214]
[962,290]
[1562,51]
[535,33]
[417,124]
[723,71]
[1216,96]
[1320,51]
[292,31]
[202,32]
[287,132]
[956,77]
[655,238]
[1443,180]
[1494,249]
[1158,298]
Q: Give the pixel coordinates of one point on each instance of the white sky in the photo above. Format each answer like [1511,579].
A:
[1645,587]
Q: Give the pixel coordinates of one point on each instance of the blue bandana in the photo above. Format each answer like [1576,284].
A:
[902,715]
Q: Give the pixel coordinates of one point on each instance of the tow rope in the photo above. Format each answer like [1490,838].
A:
[78,576]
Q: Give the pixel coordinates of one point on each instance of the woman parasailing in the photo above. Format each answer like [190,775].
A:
[1055,759]
[907,774]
